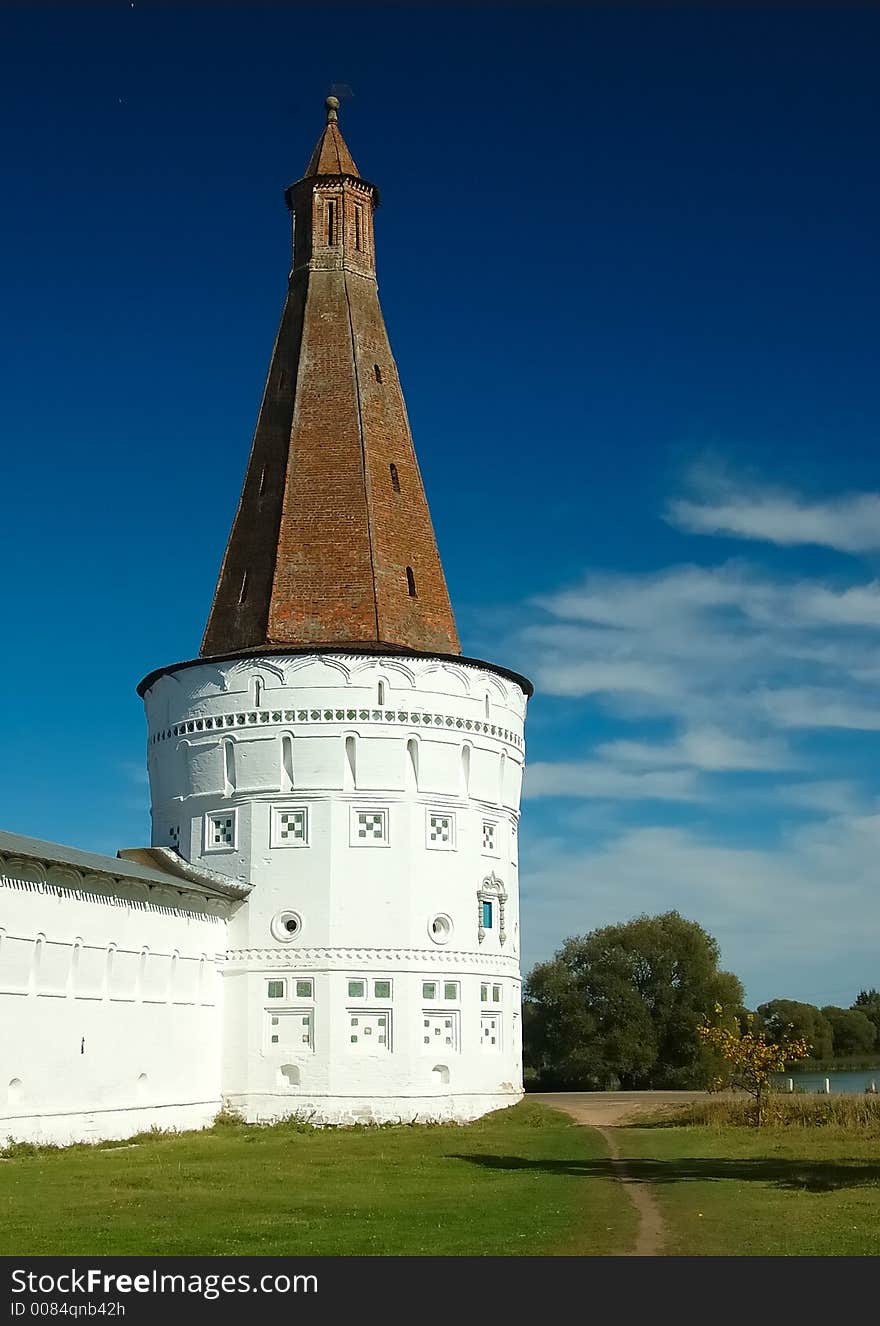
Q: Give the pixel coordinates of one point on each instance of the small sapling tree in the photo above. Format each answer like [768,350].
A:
[750,1058]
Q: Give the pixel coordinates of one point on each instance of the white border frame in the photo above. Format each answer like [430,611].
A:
[355,840]
[275,839]
[453,828]
[228,812]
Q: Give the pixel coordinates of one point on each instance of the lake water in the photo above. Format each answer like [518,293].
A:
[850,1083]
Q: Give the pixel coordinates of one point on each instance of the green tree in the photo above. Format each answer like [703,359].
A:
[782,1019]
[621,1006]
[853,1031]
[868,1002]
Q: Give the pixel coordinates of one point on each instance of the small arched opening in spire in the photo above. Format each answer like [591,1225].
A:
[395,477]
[411,582]
[331,211]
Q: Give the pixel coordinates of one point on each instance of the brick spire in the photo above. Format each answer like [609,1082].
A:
[332,543]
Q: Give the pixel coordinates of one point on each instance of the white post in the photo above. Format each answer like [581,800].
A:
[827,1087]
[790,1081]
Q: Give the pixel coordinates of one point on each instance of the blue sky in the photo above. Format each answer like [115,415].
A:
[628,263]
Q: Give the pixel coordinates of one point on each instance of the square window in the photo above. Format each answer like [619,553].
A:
[220,831]
[369,828]
[382,989]
[290,826]
[489,836]
[450,990]
[487,916]
[429,991]
[356,989]
[304,989]
[275,989]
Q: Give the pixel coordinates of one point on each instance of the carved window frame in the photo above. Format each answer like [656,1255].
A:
[492,890]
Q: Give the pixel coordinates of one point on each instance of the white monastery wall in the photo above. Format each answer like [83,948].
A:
[110,1004]
[373,803]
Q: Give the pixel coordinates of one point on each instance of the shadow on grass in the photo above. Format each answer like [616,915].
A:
[803,1176]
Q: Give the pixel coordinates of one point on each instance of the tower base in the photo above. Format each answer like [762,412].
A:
[345,1111]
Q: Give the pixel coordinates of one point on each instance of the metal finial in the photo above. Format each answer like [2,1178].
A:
[332,104]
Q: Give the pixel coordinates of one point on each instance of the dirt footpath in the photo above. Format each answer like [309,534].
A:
[606,1111]
[611,1108]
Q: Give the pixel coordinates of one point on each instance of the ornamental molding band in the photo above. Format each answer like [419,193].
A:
[273,717]
[345,958]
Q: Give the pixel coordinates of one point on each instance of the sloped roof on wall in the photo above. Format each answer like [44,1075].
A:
[138,866]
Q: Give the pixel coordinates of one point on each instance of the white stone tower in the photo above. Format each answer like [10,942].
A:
[332,748]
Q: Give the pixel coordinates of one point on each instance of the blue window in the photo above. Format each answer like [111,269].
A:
[487,916]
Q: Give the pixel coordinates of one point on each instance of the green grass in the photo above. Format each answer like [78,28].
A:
[789,1189]
[510,1184]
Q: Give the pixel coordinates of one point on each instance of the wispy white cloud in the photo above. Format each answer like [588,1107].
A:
[818,707]
[719,504]
[834,797]
[709,748]
[594,778]
[771,651]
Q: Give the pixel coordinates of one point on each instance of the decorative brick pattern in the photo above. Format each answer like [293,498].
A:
[440,1031]
[219,831]
[441,830]
[369,1032]
[290,827]
[371,827]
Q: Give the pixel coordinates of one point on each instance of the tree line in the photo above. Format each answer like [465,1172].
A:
[620,1007]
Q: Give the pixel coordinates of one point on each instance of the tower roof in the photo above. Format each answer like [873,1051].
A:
[331,155]
[332,543]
